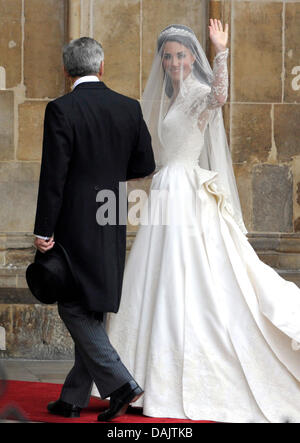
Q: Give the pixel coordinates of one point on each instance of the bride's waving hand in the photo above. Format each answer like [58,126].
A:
[218,36]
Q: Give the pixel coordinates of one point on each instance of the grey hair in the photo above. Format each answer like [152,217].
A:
[83,56]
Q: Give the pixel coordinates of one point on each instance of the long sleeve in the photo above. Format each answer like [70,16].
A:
[57,151]
[141,162]
[219,86]
[201,99]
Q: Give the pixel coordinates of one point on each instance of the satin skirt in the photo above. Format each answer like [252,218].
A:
[205,327]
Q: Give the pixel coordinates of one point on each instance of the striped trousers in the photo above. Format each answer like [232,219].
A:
[95,358]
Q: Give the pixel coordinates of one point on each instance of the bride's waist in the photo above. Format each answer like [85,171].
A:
[187,166]
[180,162]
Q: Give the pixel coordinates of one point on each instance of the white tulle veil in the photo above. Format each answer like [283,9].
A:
[158,98]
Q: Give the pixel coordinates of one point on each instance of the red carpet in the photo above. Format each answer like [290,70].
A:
[30,399]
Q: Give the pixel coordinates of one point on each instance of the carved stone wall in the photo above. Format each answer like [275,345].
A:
[264,109]
[32,33]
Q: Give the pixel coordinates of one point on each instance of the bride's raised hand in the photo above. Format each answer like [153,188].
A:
[218,36]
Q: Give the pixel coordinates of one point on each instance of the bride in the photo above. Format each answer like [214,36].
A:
[206,328]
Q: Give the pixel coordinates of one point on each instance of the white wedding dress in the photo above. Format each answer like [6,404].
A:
[205,327]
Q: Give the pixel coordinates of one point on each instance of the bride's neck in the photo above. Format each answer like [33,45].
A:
[176,88]
[177,85]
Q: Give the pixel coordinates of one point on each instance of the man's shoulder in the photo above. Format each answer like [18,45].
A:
[62,100]
[110,97]
[118,97]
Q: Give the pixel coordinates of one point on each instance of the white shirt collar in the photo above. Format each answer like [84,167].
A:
[86,78]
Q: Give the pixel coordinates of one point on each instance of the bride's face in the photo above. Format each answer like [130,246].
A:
[177,60]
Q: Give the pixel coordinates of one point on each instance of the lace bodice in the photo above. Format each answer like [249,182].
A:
[182,132]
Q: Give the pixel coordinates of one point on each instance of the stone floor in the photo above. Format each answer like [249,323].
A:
[45,371]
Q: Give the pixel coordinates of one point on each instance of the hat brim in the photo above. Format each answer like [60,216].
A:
[51,278]
[41,283]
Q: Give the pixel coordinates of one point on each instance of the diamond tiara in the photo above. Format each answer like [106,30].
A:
[177,31]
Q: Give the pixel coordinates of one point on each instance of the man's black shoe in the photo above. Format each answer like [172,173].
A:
[60,407]
[120,400]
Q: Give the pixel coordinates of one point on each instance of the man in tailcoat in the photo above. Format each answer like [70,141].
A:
[94,139]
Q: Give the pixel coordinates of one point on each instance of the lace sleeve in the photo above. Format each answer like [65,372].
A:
[200,99]
[219,86]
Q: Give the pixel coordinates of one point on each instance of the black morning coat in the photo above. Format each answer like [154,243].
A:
[94,138]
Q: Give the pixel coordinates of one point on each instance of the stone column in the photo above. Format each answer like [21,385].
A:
[74,19]
[2,78]
[2,339]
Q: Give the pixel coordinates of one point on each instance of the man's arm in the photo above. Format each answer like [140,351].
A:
[141,163]
[57,151]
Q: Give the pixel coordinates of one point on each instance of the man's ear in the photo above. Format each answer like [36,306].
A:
[66,74]
[101,71]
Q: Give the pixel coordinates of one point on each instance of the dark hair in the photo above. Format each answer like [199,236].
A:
[189,43]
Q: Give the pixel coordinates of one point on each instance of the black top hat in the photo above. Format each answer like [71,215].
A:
[51,278]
